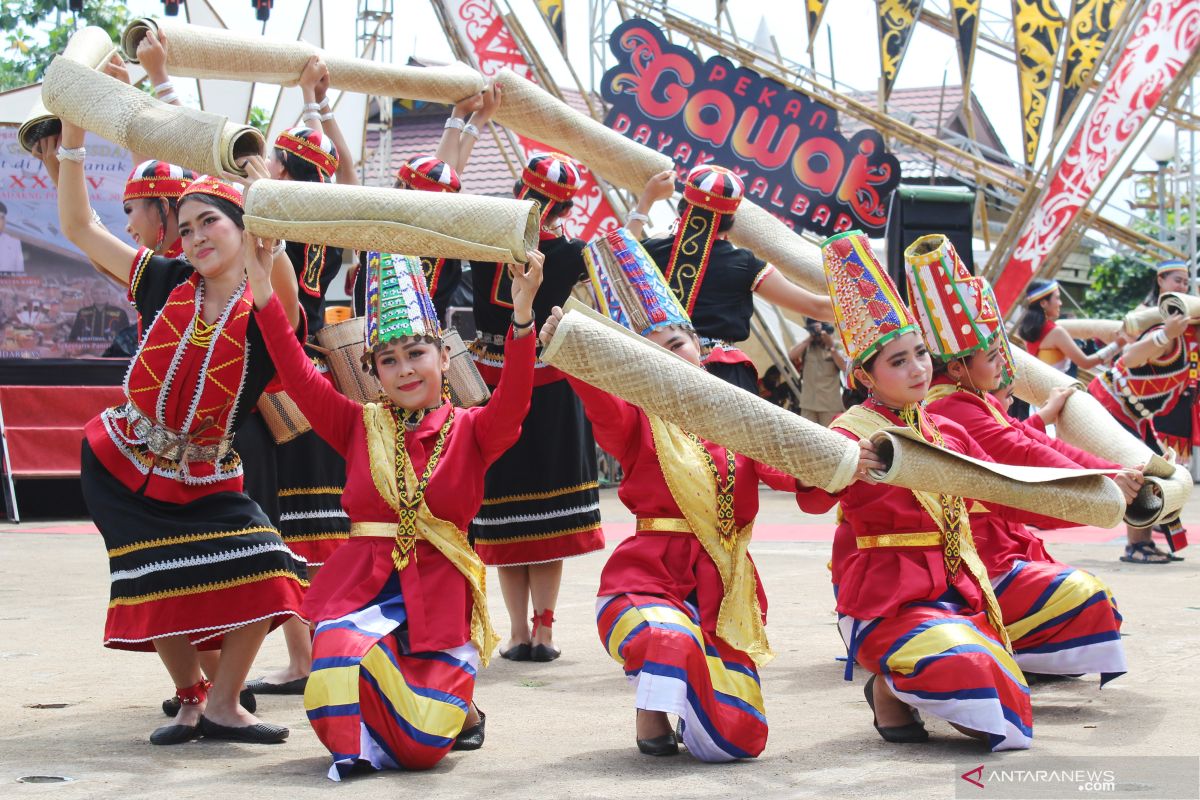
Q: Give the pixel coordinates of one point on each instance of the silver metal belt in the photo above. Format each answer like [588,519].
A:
[172,445]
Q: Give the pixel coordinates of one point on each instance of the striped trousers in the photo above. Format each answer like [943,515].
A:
[371,700]
[681,669]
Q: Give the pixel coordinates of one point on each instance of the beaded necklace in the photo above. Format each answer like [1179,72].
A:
[406,526]
[725,519]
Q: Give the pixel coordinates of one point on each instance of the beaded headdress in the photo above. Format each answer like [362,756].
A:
[207,184]
[1039,290]
[866,305]
[628,286]
[709,193]
[398,302]
[153,179]
[312,146]
[549,178]
[1173,265]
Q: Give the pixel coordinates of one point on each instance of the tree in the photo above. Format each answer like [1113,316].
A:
[38,30]
[1119,283]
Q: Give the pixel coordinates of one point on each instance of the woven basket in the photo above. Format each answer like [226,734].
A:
[591,348]
[283,416]
[1105,330]
[198,51]
[467,387]
[90,46]
[1085,497]
[345,346]
[388,221]
[198,140]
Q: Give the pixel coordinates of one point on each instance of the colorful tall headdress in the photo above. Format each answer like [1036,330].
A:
[429,174]
[709,193]
[628,286]
[549,178]
[957,311]
[1039,290]
[398,302]
[312,146]
[866,305]
[207,184]
[1174,265]
[153,179]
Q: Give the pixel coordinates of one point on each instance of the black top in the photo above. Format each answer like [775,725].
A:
[319,277]
[158,279]
[563,269]
[725,300]
[447,280]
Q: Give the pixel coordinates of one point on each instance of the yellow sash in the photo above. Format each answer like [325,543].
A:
[684,466]
[863,422]
[445,536]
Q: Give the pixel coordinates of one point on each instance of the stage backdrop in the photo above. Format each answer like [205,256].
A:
[52,302]
[785,145]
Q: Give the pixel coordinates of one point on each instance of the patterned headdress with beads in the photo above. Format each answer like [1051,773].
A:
[709,193]
[957,311]
[866,305]
[312,146]
[153,179]
[1173,265]
[549,178]
[628,286]
[1039,290]
[398,302]
[429,174]
[207,184]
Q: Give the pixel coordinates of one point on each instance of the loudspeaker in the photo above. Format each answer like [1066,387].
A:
[919,210]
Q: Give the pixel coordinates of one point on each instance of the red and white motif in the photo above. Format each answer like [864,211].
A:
[493,48]
[1162,41]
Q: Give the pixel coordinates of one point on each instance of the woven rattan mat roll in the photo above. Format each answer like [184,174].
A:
[391,221]
[1084,497]
[90,46]
[198,51]
[204,142]
[774,242]
[1178,303]
[1103,329]
[1140,320]
[532,111]
[608,356]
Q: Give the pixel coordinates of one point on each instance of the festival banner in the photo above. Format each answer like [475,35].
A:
[487,38]
[966,31]
[53,303]
[1092,21]
[786,146]
[814,10]
[1038,28]
[896,21]
[552,12]
[1165,37]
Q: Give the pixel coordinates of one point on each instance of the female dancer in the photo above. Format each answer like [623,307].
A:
[1061,620]
[715,281]
[301,481]
[401,609]
[681,611]
[541,499]
[916,605]
[1176,427]
[1050,343]
[195,563]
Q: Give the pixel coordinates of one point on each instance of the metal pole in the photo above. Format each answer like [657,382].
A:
[1163,234]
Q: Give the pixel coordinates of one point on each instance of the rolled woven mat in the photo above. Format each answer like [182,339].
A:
[90,46]
[757,229]
[198,51]
[283,417]
[1085,497]
[467,387]
[390,221]
[198,140]
[1140,320]
[1178,303]
[1104,330]
[604,354]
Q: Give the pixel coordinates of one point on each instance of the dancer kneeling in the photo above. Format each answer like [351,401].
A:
[680,606]
[401,609]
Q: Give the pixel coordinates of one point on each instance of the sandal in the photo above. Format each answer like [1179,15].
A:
[1144,553]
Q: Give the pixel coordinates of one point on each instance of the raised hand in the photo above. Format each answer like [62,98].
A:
[868,459]
[1130,481]
[115,67]
[526,278]
[550,326]
[152,55]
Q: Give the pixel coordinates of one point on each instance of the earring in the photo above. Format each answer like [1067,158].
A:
[446,397]
[162,234]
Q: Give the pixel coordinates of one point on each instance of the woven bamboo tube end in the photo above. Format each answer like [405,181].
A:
[90,46]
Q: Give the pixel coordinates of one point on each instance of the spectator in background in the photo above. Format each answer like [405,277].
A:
[100,321]
[12,259]
[820,362]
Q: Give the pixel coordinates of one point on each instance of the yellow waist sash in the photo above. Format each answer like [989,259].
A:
[443,535]
[916,539]
[692,486]
[663,525]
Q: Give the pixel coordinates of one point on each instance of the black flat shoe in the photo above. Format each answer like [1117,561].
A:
[259,733]
[665,745]
[259,686]
[471,738]
[171,705]
[174,734]
[912,733]
[544,652]
[518,652]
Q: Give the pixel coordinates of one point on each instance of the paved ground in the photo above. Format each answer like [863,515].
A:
[68,707]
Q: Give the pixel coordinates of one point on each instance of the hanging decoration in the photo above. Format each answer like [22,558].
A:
[896,21]
[1037,28]
[1092,21]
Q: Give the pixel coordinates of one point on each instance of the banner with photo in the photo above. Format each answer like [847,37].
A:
[896,21]
[53,303]
[1166,36]
[786,146]
[1092,21]
[487,38]
[1038,28]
